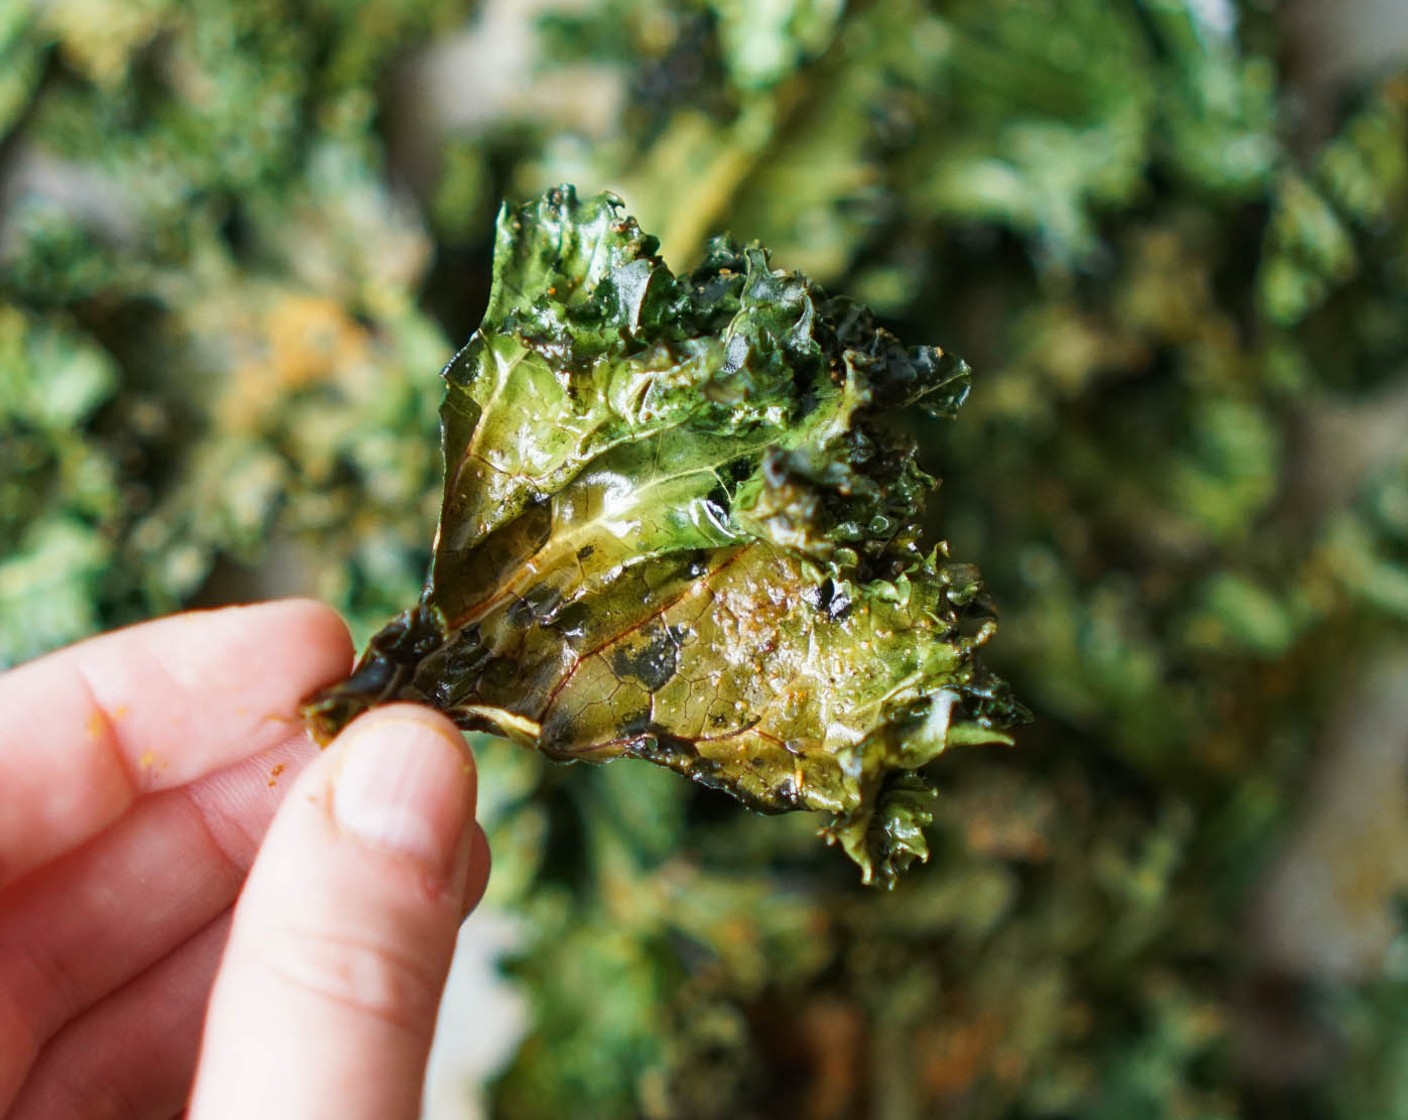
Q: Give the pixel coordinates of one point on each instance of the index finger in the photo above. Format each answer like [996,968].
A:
[88,730]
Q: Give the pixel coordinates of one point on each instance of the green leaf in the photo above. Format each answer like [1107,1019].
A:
[673,530]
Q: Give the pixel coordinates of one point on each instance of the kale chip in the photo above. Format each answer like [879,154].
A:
[675,529]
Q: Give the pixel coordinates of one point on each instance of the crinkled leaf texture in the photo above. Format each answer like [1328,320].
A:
[673,531]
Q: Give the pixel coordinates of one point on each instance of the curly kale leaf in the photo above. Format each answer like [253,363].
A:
[673,530]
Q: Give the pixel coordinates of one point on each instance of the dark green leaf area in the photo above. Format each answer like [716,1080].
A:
[671,530]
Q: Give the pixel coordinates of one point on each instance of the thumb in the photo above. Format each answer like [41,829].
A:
[326,1001]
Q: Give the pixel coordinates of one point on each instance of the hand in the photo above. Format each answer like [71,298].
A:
[138,774]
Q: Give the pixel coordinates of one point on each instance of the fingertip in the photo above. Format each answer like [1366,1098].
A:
[399,717]
[315,624]
[404,781]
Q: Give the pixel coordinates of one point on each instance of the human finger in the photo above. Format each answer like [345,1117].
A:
[134,1054]
[343,937]
[480,862]
[88,729]
[104,913]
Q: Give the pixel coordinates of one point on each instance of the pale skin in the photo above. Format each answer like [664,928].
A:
[202,915]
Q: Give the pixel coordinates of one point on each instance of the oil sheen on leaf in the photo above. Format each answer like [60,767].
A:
[673,531]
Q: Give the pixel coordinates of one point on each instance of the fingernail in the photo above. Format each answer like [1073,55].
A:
[405,786]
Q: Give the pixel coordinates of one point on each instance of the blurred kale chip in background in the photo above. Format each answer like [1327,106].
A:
[238,239]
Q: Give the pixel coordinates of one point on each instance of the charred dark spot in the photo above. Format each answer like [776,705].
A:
[519,614]
[571,623]
[586,551]
[535,522]
[717,500]
[737,470]
[636,724]
[410,637]
[697,563]
[706,771]
[546,601]
[450,672]
[540,604]
[666,750]
[785,796]
[829,600]
[375,676]
[655,662]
